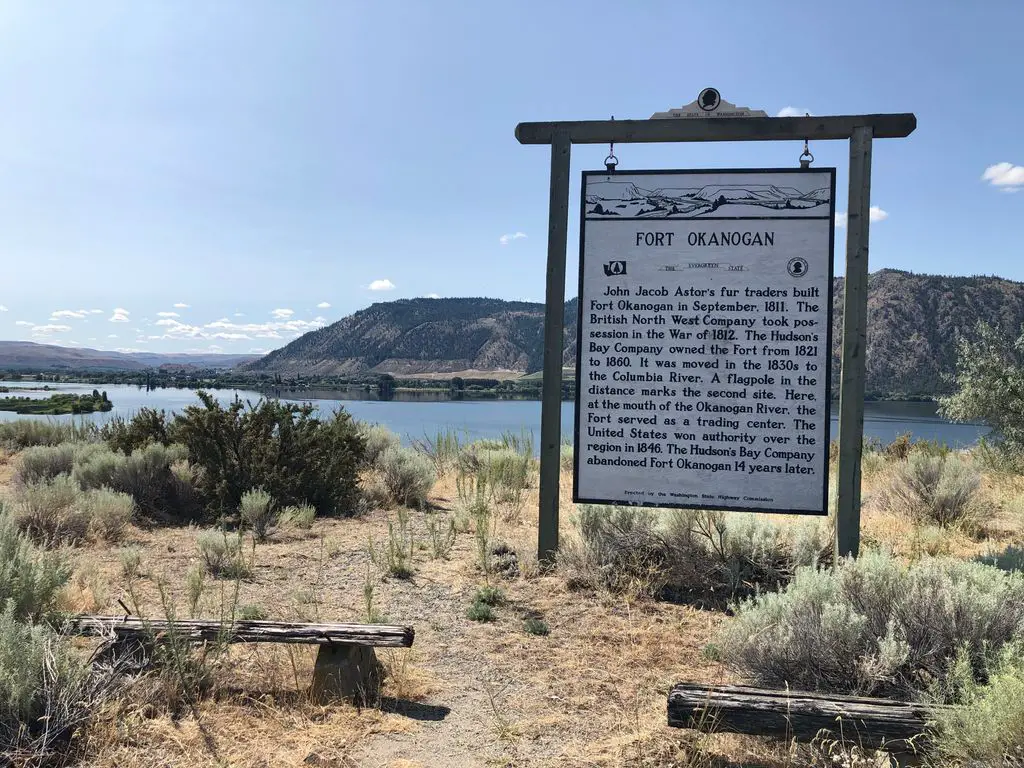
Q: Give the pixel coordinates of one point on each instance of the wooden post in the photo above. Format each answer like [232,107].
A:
[855,317]
[554,313]
[348,672]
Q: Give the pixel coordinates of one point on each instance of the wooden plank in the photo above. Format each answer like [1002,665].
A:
[198,630]
[855,322]
[883,126]
[870,722]
[554,312]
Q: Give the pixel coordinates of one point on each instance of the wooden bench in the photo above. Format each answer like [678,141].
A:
[896,726]
[346,665]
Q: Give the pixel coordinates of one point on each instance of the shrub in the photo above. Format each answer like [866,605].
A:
[146,475]
[25,433]
[535,626]
[507,474]
[443,450]
[146,427]
[42,462]
[442,538]
[396,556]
[284,448]
[489,595]
[30,580]
[874,625]
[222,554]
[52,511]
[933,489]
[251,613]
[195,584]
[256,509]
[131,563]
[47,693]
[1010,559]
[109,513]
[377,439]
[480,611]
[565,457]
[407,475]
[298,516]
[987,725]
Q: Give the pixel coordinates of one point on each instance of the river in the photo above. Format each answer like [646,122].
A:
[418,416]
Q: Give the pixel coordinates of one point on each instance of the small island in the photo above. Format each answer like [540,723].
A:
[57,405]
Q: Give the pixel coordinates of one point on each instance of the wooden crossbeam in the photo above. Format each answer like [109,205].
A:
[198,630]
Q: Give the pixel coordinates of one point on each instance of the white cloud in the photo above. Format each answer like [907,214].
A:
[25,323]
[68,314]
[228,330]
[120,316]
[182,305]
[431,296]
[793,112]
[239,314]
[381,285]
[48,330]
[95,311]
[229,336]
[167,314]
[112,336]
[258,350]
[283,314]
[876,214]
[323,305]
[506,239]
[1007,176]
[3,308]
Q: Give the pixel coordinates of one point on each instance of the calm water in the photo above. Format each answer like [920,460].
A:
[487,418]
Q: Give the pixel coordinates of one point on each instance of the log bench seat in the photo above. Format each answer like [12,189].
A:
[346,665]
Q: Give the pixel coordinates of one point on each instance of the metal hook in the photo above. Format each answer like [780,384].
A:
[806,158]
[611,161]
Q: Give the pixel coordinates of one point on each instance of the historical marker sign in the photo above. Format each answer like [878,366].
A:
[704,339]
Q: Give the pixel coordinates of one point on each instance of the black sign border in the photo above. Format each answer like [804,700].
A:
[827,415]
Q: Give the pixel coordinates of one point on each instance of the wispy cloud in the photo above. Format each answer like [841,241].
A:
[876,214]
[431,296]
[506,239]
[239,314]
[69,314]
[24,323]
[324,305]
[167,314]
[112,336]
[120,316]
[3,308]
[49,329]
[95,311]
[182,305]
[793,112]
[381,285]
[1005,176]
[282,314]
[227,330]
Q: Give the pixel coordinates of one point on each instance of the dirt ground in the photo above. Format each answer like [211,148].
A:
[591,693]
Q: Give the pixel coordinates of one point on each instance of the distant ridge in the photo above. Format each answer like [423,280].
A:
[913,321]
[30,356]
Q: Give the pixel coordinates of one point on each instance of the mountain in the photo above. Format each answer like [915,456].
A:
[27,355]
[913,323]
[418,336]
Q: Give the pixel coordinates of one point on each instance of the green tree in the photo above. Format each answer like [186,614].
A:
[990,385]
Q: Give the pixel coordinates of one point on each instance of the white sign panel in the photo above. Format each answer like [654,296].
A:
[704,339]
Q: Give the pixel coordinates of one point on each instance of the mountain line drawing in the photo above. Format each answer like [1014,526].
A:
[625,198]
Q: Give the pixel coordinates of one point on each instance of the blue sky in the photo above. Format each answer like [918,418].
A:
[187,175]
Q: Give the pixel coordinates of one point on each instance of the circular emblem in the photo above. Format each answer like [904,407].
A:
[709,99]
[797,267]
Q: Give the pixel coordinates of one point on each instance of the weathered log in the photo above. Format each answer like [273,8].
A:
[198,630]
[868,722]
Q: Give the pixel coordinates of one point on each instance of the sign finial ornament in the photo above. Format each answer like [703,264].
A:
[709,103]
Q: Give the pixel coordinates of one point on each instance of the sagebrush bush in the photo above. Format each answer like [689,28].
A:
[376,439]
[297,516]
[507,474]
[395,556]
[52,511]
[934,489]
[258,511]
[875,625]
[679,554]
[43,462]
[986,725]
[407,475]
[222,554]
[25,433]
[109,513]
[565,457]
[30,579]
[284,448]
[47,693]
[146,475]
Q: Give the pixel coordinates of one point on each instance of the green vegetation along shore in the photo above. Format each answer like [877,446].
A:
[56,405]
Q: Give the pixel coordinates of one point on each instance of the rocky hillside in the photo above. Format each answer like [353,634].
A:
[913,321]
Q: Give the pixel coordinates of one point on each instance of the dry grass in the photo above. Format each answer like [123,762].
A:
[591,693]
